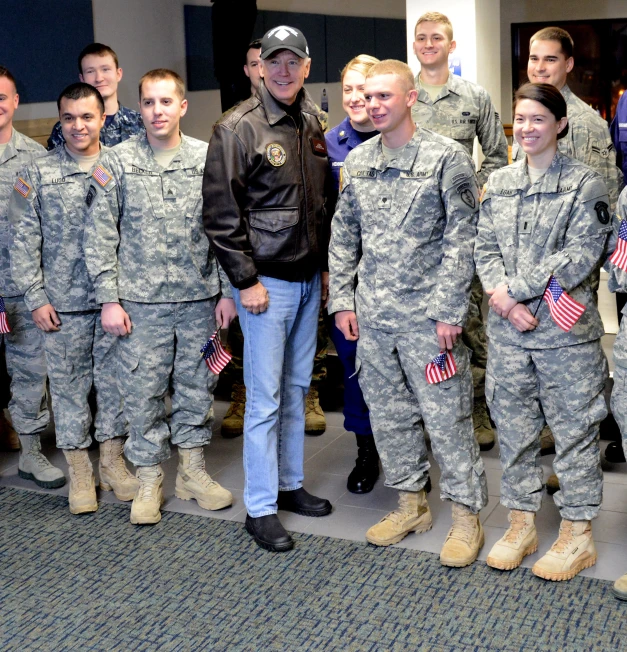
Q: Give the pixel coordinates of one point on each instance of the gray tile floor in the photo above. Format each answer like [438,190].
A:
[329,459]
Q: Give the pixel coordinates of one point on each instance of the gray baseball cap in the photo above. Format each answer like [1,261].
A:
[284,38]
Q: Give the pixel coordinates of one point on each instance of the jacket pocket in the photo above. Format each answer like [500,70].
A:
[273,233]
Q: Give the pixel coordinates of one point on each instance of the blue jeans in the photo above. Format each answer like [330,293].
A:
[279,347]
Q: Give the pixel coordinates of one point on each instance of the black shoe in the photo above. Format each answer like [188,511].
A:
[614,453]
[608,429]
[301,502]
[269,533]
[364,476]
[428,485]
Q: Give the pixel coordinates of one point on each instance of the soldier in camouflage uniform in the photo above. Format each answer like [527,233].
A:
[405,224]
[588,140]
[25,358]
[546,216]
[454,107]
[157,281]
[47,216]
[98,65]
[618,283]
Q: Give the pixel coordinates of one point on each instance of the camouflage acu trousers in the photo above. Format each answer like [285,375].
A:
[26,365]
[474,337]
[161,355]
[618,401]
[402,403]
[77,355]
[564,386]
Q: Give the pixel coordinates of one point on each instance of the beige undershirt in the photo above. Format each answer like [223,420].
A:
[535,173]
[85,163]
[433,91]
[390,154]
[165,156]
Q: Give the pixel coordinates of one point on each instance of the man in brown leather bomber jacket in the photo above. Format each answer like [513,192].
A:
[265,194]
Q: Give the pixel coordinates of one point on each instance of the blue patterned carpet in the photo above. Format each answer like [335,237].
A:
[96,582]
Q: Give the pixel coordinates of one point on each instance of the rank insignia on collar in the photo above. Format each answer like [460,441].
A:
[22,187]
[101,176]
[276,155]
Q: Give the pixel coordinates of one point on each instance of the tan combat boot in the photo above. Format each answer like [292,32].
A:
[33,464]
[464,539]
[484,433]
[315,422]
[113,472]
[572,552]
[192,481]
[552,484]
[82,482]
[547,441]
[8,437]
[620,588]
[412,515]
[520,540]
[146,507]
[233,422]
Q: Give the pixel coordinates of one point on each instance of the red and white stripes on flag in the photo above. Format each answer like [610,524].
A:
[4,323]
[440,368]
[619,257]
[564,310]
[214,353]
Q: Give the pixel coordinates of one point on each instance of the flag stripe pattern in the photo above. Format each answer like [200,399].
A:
[619,257]
[22,187]
[214,353]
[564,310]
[4,323]
[440,368]
[101,176]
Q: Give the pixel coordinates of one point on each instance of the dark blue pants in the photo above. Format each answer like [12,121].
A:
[356,414]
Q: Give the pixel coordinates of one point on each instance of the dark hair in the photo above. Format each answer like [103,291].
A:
[100,50]
[5,72]
[79,91]
[254,45]
[548,96]
[556,34]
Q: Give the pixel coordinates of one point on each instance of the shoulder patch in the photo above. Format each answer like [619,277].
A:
[602,212]
[101,176]
[91,193]
[22,187]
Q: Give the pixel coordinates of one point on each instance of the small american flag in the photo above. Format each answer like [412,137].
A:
[440,368]
[564,310]
[619,257]
[4,324]
[214,354]
[22,187]
[101,176]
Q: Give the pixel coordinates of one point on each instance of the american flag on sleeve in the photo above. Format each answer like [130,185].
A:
[214,353]
[564,310]
[4,324]
[440,368]
[619,257]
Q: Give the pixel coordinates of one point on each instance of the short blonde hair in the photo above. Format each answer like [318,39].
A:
[394,67]
[436,17]
[164,73]
[361,63]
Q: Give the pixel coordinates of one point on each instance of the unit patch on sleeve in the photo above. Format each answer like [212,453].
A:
[22,187]
[101,176]
[602,213]
[91,193]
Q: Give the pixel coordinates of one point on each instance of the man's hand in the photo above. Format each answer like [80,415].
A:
[346,321]
[500,301]
[115,319]
[521,318]
[225,312]
[324,294]
[447,334]
[255,299]
[46,318]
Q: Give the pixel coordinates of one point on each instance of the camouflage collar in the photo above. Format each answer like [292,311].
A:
[69,166]
[406,159]
[146,158]
[549,182]
[12,147]
[274,112]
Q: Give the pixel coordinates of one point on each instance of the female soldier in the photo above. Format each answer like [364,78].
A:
[352,131]
[545,218]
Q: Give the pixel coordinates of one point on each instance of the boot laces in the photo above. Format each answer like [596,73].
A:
[238,401]
[39,459]
[517,524]
[464,526]
[148,483]
[197,468]
[480,414]
[116,461]
[81,467]
[566,537]
[312,402]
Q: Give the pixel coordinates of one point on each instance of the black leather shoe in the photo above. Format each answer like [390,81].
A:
[269,533]
[614,453]
[364,476]
[301,502]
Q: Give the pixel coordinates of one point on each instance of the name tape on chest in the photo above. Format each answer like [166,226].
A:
[135,169]
[319,147]
[22,187]
[364,173]
[101,176]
